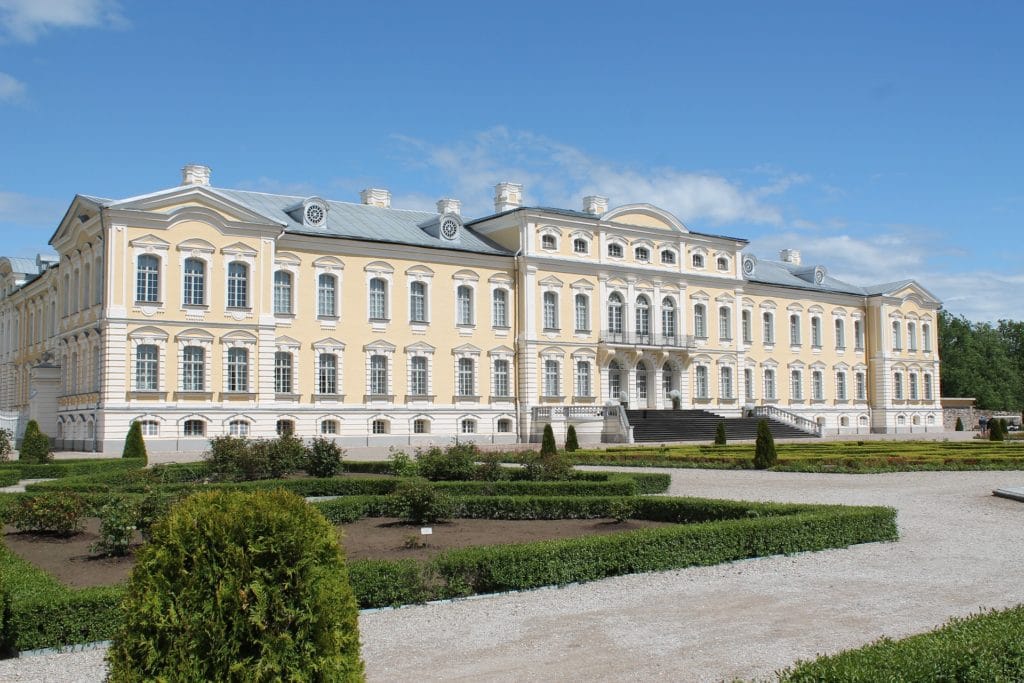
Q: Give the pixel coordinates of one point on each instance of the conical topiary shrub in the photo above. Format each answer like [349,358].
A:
[571,442]
[134,444]
[720,434]
[35,446]
[995,430]
[764,449]
[547,444]
[959,425]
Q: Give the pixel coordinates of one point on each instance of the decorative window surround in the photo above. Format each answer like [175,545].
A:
[386,349]
[148,336]
[423,276]
[200,339]
[202,251]
[467,352]
[465,278]
[383,271]
[328,265]
[146,245]
[425,351]
[240,340]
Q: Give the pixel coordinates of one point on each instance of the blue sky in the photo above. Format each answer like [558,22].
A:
[884,140]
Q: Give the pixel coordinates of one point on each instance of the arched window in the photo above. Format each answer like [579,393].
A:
[668,257]
[146,368]
[583,378]
[467,426]
[816,332]
[86,283]
[378,305]
[615,250]
[327,295]
[418,302]
[768,327]
[725,391]
[238,370]
[668,317]
[194,428]
[614,380]
[194,290]
[700,321]
[912,336]
[580,246]
[724,323]
[283,373]
[378,375]
[500,307]
[193,369]
[643,316]
[467,384]
[147,279]
[698,261]
[150,427]
[748,384]
[794,330]
[504,425]
[285,427]
[897,340]
[858,335]
[641,381]
[642,254]
[327,374]
[548,242]
[464,304]
[238,285]
[701,381]
[723,263]
[329,427]
[840,334]
[550,311]
[552,378]
[926,337]
[581,306]
[282,292]
[615,313]
[238,428]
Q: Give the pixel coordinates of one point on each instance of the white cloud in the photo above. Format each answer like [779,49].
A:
[26,20]
[11,89]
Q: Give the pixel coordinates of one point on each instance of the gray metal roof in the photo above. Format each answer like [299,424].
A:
[784,274]
[23,265]
[361,222]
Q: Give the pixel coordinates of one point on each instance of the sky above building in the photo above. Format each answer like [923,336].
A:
[884,140]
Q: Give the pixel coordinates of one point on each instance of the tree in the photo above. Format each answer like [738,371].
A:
[547,444]
[959,425]
[134,444]
[720,439]
[571,443]
[764,448]
[35,446]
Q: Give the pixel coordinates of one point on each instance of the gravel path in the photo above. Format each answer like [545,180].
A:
[961,550]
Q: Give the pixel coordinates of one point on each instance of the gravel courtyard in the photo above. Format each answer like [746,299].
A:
[961,550]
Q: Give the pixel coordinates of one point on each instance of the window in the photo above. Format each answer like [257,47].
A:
[548,242]
[724,323]
[379,426]
[858,335]
[816,332]
[701,381]
[769,384]
[583,378]
[500,306]
[552,383]
[378,375]
[912,336]
[378,299]
[746,327]
[840,386]
[642,254]
[615,313]
[282,292]
[614,380]
[926,337]
[667,380]
[327,374]
[467,426]
[913,386]
[194,428]
[464,304]
[817,385]
[641,381]
[698,261]
[147,279]
[327,295]
[421,426]
[897,386]
[550,311]
[193,369]
[283,372]
[329,427]
[150,427]
[238,370]
[418,376]
[927,387]
[238,285]
[860,379]
[700,322]
[722,263]
[768,327]
[501,375]
[668,317]
[238,428]
[796,385]
[794,330]
[615,250]
[581,307]
[748,384]
[668,258]
[840,334]
[418,302]
[194,292]
[146,378]
[285,427]
[580,246]
[725,380]
[466,383]
[504,425]
[897,341]
[643,316]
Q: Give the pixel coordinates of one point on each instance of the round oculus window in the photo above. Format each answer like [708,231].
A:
[315,214]
[819,276]
[748,266]
[449,228]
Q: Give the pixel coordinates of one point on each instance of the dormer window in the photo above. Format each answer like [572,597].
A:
[698,261]
[642,254]
[668,258]
[314,213]
[548,242]
[615,250]
[723,263]
[580,246]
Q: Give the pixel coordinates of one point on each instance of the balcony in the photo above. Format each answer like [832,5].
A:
[679,341]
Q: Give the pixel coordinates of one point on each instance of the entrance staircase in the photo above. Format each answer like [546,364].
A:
[701,425]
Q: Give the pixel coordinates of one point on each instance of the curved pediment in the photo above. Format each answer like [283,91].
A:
[645,216]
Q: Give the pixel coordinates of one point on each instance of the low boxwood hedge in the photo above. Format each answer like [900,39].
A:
[979,649]
[9,477]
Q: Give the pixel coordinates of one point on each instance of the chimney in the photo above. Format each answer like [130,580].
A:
[375,196]
[507,196]
[595,204]
[195,174]
[447,205]
[790,256]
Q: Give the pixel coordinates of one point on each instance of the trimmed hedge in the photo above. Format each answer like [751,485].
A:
[9,477]
[981,648]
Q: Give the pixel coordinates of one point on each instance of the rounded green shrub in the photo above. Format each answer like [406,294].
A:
[323,457]
[134,444]
[454,463]
[764,448]
[118,519]
[547,444]
[571,442]
[60,514]
[421,503]
[720,434]
[35,446]
[239,586]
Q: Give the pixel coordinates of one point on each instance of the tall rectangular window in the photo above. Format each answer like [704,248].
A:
[769,384]
[327,375]
[897,386]
[817,385]
[862,386]
[194,293]
[794,330]
[816,332]
[912,336]
[583,378]
[668,317]
[327,296]
[897,341]
[418,302]
[858,335]
[378,375]
[840,386]
[700,321]
[745,325]
[147,279]
[927,387]
[500,306]
[501,382]
[926,337]
[725,376]
[378,299]
[238,370]
[840,334]
[582,313]
[796,385]
[238,285]
[146,361]
[748,384]
[913,386]
[193,369]
[550,311]
[466,378]
[282,292]
[418,376]
[552,383]
[768,327]
[701,381]
[724,323]
[283,373]
[464,305]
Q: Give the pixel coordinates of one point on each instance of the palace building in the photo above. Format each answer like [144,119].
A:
[202,311]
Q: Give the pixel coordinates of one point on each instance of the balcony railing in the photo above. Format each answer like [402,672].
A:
[679,341]
[788,417]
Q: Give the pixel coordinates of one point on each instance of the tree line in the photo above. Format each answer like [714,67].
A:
[982,360]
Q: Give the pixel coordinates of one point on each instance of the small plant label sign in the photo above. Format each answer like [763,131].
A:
[426,530]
